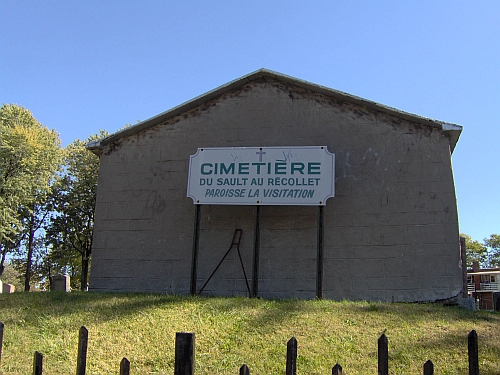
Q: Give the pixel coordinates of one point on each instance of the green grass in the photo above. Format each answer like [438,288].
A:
[233,331]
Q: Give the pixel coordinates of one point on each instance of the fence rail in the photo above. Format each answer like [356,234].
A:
[185,349]
[490,287]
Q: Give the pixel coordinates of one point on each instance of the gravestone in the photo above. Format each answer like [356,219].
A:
[61,283]
[8,288]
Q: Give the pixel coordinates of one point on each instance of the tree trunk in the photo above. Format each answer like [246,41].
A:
[27,275]
[2,261]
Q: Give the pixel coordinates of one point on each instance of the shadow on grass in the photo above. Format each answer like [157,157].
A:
[262,313]
[455,345]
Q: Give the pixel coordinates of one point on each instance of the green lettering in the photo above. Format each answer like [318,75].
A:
[209,165]
[243,168]
[258,165]
[226,170]
[299,167]
[313,168]
[280,168]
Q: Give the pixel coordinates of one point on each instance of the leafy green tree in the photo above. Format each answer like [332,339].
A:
[35,221]
[493,244]
[9,246]
[28,249]
[29,157]
[475,251]
[12,276]
[71,227]
[38,274]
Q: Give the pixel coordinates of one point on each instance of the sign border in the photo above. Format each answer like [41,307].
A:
[259,201]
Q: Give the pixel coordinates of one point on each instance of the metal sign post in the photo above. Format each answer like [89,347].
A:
[256,250]
[319,258]
[194,258]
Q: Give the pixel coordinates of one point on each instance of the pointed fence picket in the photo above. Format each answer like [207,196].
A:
[185,359]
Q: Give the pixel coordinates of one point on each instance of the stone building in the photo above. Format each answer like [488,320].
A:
[389,233]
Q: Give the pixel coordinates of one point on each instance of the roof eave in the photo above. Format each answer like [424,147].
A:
[451,129]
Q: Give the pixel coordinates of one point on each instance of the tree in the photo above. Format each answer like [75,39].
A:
[12,276]
[29,157]
[60,261]
[35,221]
[72,225]
[475,251]
[38,275]
[493,244]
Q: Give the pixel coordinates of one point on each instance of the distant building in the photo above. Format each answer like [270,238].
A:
[389,233]
[484,286]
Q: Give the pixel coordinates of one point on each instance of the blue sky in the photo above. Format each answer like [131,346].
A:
[81,66]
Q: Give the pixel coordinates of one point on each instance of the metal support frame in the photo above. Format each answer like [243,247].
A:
[235,242]
[194,258]
[256,250]
[319,260]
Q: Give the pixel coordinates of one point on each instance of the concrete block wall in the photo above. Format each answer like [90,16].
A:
[391,231]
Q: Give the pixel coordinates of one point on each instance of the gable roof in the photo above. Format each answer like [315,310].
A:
[451,129]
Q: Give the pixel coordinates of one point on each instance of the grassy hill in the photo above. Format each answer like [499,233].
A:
[233,331]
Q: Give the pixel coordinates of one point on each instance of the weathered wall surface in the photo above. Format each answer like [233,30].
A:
[391,231]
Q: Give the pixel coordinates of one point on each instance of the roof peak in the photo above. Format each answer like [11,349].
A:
[452,129]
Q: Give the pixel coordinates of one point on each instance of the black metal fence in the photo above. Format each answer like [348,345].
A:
[185,358]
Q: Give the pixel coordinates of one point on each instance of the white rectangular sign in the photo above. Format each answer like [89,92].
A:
[262,176]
